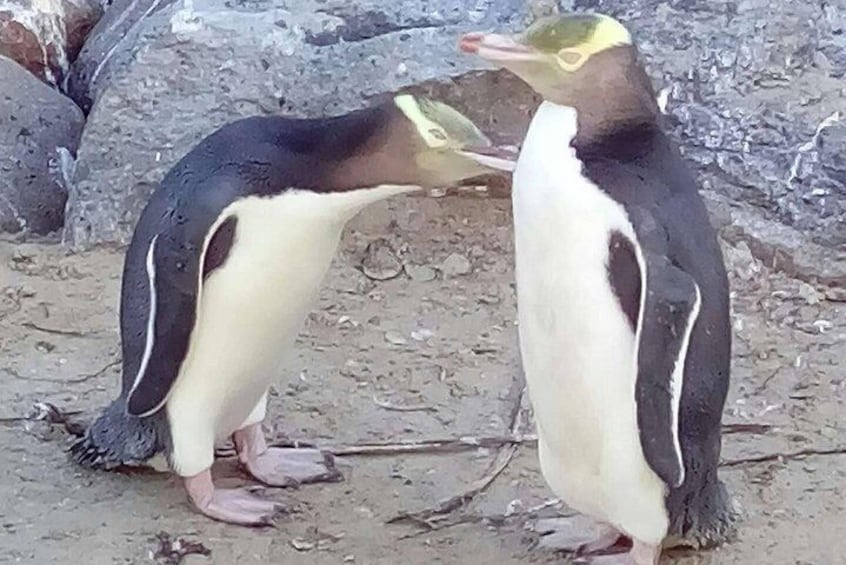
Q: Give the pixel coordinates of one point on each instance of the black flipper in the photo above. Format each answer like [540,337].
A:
[671,307]
[174,265]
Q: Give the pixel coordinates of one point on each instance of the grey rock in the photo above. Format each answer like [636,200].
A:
[39,133]
[784,248]
[753,90]
[421,273]
[380,263]
[108,47]
[182,70]
[456,265]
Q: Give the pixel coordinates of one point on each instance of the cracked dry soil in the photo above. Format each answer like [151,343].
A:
[444,346]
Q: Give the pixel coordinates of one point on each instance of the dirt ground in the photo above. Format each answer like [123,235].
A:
[408,358]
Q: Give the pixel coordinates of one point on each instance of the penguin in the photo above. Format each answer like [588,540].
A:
[622,296]
[225,263]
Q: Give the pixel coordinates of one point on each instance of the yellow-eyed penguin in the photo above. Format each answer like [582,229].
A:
[226,261]
[622,292]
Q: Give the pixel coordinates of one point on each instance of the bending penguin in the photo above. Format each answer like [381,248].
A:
[622,295]
[223,267]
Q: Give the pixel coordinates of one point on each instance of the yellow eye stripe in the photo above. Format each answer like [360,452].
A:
[409,106]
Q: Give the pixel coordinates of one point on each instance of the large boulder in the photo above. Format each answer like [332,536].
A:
[45,37]
[172,72]
[39,133]
[754,92]
[752,89]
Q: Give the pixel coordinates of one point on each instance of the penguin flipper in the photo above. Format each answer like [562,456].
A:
[173,283]
[671,307]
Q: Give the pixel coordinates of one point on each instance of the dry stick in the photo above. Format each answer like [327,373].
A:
[500,462]
[782,456]
[94,375]
[449,444]
[491,519]
[75,380]
[56,331]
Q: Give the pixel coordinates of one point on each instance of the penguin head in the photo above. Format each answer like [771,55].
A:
[566,58]
[447,146]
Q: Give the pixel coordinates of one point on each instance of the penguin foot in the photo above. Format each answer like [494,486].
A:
[575,534]
[234,506]
[283,466]
[640,554]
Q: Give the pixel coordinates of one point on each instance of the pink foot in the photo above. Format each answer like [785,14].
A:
[576,534]
[640,554]
[235,506]
[282,467]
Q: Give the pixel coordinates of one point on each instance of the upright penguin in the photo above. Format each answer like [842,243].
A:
[224,265]
[622,293]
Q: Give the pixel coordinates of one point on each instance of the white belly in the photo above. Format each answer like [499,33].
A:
[249,314]
[577,347]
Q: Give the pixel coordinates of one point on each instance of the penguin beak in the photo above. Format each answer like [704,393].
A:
[498,158]
[497,48]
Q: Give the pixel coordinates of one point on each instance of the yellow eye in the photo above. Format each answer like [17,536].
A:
[570,59]
[437,134]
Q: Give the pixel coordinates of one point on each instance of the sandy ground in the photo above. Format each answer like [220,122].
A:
[444,345]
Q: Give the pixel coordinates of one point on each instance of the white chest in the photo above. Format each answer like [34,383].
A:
[577,346]
[251,309]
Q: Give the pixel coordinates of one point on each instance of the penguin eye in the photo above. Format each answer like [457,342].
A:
[570,59]
[437,134]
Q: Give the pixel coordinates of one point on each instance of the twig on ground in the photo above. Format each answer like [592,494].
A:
[781,456]
[55,331]
[500,462]
[403,408]
[88,376]
[404,447]
[443,522]
[746,428]
[74,380]
[447,445]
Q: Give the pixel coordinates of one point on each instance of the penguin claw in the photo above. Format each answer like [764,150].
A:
[290,467]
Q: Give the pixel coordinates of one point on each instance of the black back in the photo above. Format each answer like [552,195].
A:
[641,168]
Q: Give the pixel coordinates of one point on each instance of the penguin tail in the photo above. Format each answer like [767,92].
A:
[116,439]
[709,519]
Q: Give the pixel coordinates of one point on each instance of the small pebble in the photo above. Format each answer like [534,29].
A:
[421,273]
[455,266]
[395,338]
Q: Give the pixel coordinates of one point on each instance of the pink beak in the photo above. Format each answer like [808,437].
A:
[495,47]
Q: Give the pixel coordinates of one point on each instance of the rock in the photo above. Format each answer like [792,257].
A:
[741,262]
[754,107]
[784,248]
[748,104]
[39,133]
[455,266]
[161,74]
[421,273]
[45,37]
[109,46]
[380,263]
[395,338]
